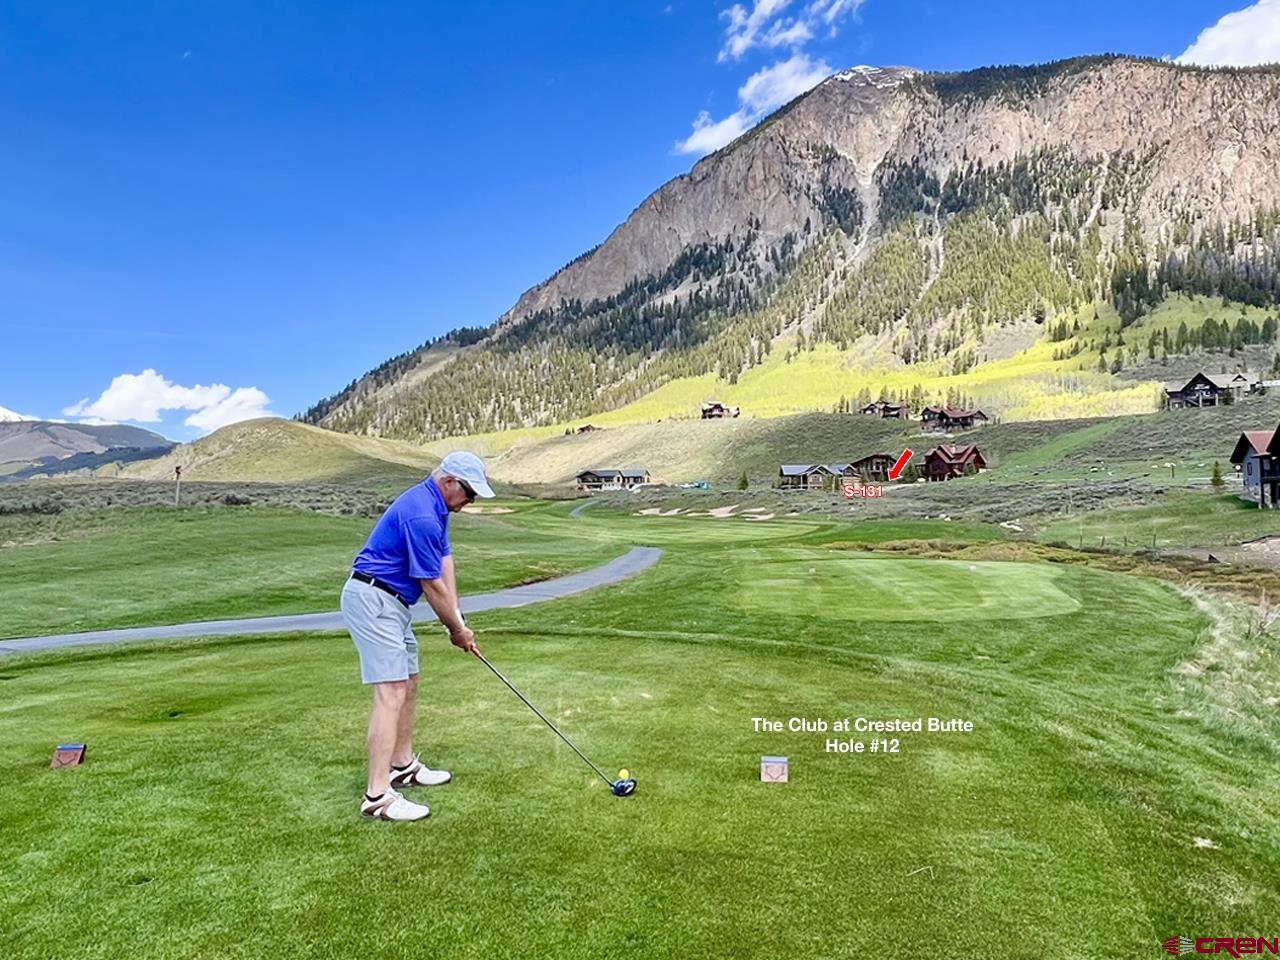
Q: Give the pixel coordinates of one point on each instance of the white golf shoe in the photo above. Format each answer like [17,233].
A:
[392,806]
[418,774]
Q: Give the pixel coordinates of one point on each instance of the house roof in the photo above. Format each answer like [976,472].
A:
[1253,441]
[954,413]
[1220,380]
[873,456]
[601,473]
[634,473]
[803,469]
[954,452]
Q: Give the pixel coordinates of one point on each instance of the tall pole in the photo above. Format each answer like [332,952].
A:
[177,484]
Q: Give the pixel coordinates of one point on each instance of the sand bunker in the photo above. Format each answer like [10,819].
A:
[658,512]
[760,516]
[722,513]
[475,509]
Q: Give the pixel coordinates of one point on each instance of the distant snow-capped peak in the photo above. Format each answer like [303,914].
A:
[8,416]
[877,76]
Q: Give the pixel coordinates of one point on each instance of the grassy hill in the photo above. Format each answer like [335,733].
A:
[1042,379]
[284,451]
[720,450]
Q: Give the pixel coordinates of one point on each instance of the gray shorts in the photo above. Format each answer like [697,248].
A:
[382,629]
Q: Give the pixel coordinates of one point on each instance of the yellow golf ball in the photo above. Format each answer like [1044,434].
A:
[623,774]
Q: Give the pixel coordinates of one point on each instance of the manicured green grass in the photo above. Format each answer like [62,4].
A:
[217,813]
[863,588]
[84,570]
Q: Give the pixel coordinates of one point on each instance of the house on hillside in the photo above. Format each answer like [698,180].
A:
[589,428]
[610,479]
[1210,389]
[943,419]
[947,461]
[803,476]
[1257,457]
[715,410]
[875,466]
[889,411]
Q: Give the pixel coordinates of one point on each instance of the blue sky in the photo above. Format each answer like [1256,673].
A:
[208,210]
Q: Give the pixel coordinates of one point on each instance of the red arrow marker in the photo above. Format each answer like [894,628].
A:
[902,462]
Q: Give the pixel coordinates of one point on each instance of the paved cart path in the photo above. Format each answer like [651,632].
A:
[634,561]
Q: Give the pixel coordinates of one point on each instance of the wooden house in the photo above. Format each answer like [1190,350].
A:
[947,461]
[889,411]
[610,479]
[803,476]
[875,466]
[1257,457]
[1210,389]
[715,410]
[944,419]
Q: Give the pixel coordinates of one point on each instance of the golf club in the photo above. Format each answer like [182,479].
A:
[622,787]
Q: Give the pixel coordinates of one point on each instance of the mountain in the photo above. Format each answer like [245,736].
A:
[30,447]
[282,451]
[1017,237]
[8,416]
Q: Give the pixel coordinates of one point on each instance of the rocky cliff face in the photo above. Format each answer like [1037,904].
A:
[1114,164]
[1209,141]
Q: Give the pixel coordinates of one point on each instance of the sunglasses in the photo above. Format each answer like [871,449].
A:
[466,488]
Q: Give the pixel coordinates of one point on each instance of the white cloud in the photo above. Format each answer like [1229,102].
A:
[744,28]
[764,91]
[768,89]
[1240,39]
[244,403]
[141,397]
[771,24]
[710,135]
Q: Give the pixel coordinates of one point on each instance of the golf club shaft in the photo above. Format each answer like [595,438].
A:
[512,687]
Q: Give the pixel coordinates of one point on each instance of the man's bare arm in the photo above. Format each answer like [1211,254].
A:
[444,601]
[449,574]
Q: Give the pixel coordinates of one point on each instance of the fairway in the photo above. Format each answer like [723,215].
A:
[220,793]
[88,570]
[868,588]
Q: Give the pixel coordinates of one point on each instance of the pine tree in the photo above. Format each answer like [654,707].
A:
[743,482]
[1216,479]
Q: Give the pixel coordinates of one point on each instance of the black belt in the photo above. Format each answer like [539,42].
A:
[380,584]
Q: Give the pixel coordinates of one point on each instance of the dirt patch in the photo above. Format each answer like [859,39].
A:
[1265,551]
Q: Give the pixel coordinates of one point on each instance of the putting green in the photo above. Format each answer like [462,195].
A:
[875,588]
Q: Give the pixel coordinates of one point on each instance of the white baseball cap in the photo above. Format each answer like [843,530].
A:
[468,468]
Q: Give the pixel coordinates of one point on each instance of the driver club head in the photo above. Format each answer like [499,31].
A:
[624,788]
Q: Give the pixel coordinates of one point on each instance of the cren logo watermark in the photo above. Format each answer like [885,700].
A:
[1231,946]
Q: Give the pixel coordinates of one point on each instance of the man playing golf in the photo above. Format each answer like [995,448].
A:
[407,556]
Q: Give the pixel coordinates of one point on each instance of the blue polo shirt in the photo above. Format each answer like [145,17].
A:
[409,541]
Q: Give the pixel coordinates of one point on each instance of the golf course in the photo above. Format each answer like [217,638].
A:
[1117,784]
